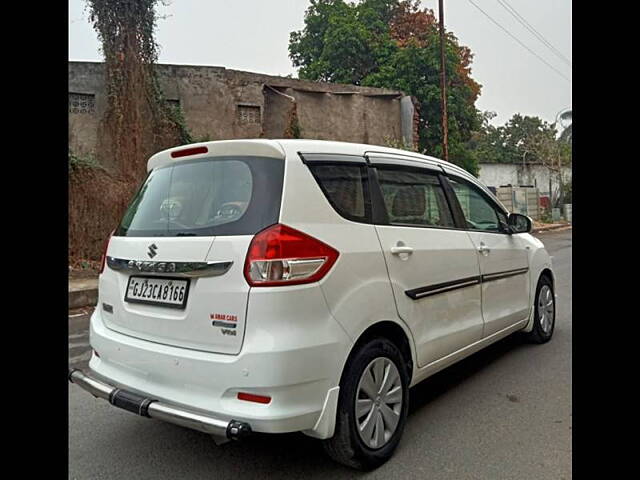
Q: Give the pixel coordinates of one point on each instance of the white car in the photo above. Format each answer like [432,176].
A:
[299,285]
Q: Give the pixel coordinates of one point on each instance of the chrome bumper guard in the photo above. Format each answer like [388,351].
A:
[147,407]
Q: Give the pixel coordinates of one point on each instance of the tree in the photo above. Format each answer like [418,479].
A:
[393,44]
[519,140]
[523,139]
[137,120]
[554,154]
[486,143]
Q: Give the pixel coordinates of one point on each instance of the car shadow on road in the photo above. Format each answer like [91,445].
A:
[442,382]
[176,452]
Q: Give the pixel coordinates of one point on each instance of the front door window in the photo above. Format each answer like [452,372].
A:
[479,213]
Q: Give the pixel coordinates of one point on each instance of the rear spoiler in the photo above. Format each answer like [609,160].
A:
[222,148]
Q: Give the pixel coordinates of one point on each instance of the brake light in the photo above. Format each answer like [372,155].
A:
[185,152]
[104,252]
[281,255]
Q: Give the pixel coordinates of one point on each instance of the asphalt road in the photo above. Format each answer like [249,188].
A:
[503,413]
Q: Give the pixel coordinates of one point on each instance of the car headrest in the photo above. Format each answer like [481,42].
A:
[408,201]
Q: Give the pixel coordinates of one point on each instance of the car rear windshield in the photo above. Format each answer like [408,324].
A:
[206,197]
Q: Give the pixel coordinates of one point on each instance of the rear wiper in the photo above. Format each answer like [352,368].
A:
[186,234]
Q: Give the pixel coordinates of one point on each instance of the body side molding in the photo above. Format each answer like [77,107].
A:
[428,290]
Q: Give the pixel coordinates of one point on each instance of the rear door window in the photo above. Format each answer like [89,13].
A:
[413,197]
[220,196]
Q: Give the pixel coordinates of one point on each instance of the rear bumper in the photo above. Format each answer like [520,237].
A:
[149,407]
[301,379]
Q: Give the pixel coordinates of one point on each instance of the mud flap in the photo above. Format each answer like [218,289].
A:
[326,424]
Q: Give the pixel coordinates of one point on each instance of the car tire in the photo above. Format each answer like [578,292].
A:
[544,312]
[347,445]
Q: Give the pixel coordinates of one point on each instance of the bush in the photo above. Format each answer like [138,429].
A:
[545,215]
[77,162]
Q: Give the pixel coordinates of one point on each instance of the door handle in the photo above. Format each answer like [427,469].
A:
[397,250]
[483,249]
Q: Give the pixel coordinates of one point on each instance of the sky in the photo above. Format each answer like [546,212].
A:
[253,35]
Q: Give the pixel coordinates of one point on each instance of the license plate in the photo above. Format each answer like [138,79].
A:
[168,292]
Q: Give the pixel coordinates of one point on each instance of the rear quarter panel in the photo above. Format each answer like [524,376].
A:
[539,260]
[357,289]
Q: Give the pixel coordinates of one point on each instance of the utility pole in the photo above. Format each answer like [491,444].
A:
[443,86]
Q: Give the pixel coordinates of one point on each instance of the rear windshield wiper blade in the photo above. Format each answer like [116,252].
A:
[186,234]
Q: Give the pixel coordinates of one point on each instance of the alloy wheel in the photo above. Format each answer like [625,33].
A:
[545,309]
[378,402]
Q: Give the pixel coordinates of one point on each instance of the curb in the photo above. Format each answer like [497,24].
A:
[83,293]
[83,298]
[551,228]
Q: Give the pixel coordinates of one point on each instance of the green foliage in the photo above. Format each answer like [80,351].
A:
[393,142]
[80,162]
[522,139]
[393,44]
[296,130]
[175,116]
[293,129]
[545,215]
[486,142]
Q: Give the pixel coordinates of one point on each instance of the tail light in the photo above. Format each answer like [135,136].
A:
[104,252]
[281,255]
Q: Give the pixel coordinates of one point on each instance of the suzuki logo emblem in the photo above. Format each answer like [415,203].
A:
[152,250]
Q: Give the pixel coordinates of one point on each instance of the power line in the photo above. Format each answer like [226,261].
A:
[522,44]
[531,29]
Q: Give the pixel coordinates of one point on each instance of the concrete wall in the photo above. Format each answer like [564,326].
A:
[500,174]
[84,80]
[224,104]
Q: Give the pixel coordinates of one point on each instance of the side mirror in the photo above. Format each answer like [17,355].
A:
[519,223]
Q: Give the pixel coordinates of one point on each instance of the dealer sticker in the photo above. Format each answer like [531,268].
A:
[224,320]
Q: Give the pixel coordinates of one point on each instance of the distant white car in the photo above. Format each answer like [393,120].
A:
[296,285]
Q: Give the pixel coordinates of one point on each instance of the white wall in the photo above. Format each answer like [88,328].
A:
[499,174]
